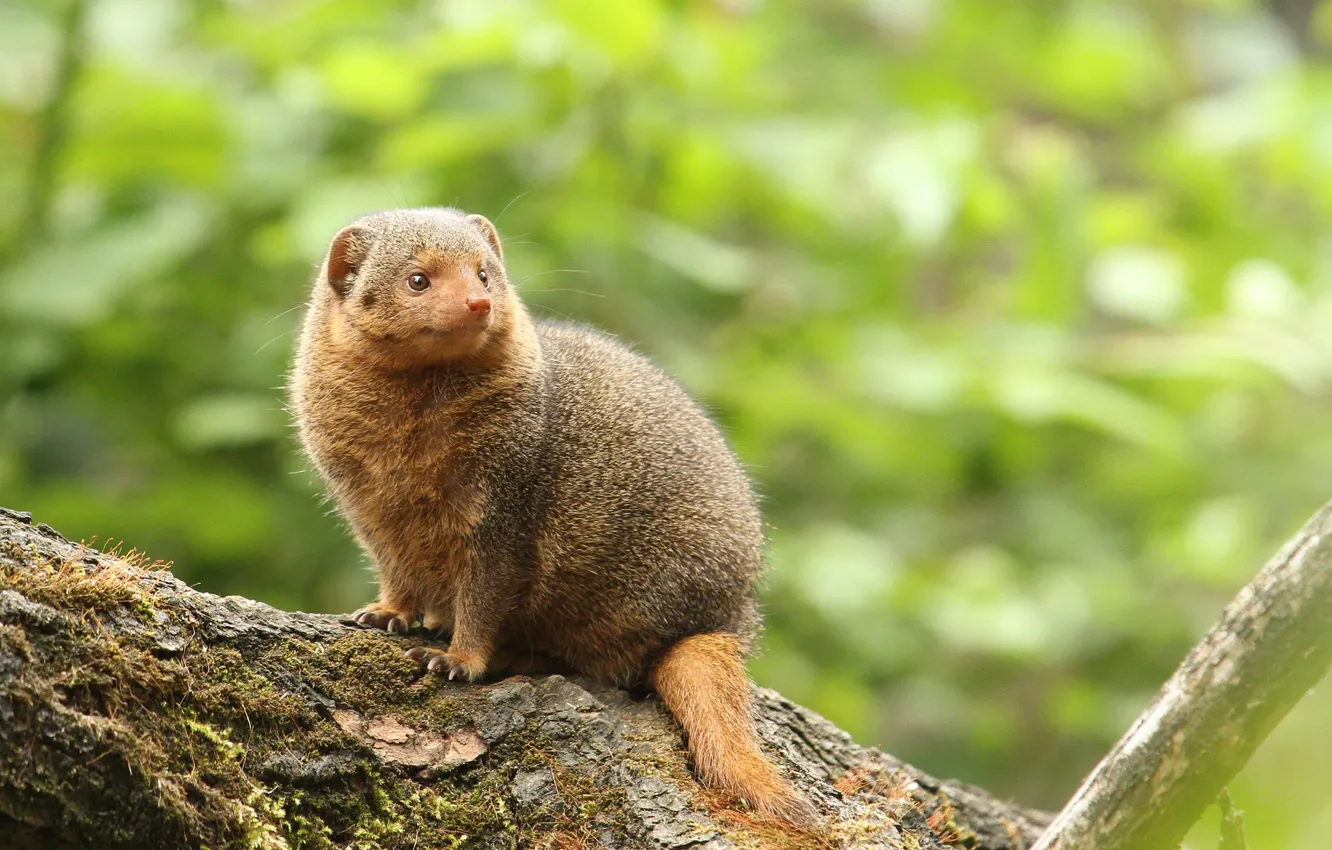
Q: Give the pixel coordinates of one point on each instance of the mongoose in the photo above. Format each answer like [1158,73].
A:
[531,487]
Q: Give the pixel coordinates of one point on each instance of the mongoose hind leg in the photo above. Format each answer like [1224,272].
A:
[390,618]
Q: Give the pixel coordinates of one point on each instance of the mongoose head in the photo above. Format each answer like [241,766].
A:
[416,287]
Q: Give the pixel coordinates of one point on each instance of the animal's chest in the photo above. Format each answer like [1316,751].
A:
[410,491]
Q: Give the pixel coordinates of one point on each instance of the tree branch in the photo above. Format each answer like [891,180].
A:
[1273,643]
[137,712]
[52,126]
[1232,824]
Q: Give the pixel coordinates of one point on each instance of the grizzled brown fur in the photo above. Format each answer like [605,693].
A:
[532,488]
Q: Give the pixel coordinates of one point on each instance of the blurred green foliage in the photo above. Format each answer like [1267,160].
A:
[1017,311]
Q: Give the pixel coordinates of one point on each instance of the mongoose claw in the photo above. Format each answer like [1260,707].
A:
[442,663]
[376,617]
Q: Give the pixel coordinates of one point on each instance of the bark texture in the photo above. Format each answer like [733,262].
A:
[136,712]
[1272,644]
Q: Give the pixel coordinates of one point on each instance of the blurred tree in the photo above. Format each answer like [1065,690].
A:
[1017,311]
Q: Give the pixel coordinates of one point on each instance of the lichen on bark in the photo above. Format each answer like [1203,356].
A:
[137,712]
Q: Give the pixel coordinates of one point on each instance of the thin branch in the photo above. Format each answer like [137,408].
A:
[53,125]
[1232,824]
[1273,643]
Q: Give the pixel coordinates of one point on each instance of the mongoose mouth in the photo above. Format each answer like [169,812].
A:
[456,332]
[441,344]
[430,345]
[411,335]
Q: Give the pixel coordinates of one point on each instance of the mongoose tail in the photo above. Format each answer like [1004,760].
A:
[702,681]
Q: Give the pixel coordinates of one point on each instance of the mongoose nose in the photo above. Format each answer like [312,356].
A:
[479,305]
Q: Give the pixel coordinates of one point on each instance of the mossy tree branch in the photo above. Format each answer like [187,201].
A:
[136,712]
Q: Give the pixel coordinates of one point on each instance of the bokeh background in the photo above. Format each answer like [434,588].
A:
[1019,312]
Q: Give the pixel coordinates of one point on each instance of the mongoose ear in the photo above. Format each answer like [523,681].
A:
[345,256]
[488,231]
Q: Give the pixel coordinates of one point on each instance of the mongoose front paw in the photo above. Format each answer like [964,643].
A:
[380,616]
[456,666]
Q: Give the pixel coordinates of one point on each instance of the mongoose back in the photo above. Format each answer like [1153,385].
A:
[531,487]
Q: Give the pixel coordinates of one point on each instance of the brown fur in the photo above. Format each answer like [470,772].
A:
[533,488]
[702,680]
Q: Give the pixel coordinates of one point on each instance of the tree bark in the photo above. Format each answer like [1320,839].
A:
[1272,644]
[136,712]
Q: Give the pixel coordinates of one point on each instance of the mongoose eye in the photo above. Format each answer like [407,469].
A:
[418,282]
[485,278]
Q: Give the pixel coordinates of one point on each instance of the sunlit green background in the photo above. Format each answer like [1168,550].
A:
[1019,312]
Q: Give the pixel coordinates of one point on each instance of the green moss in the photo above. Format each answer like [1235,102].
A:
[377,813]
[169,773]
[942,822]
[368,672]
[230,688]
[75,584]
[362,668]
[202,761]
[14,643]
